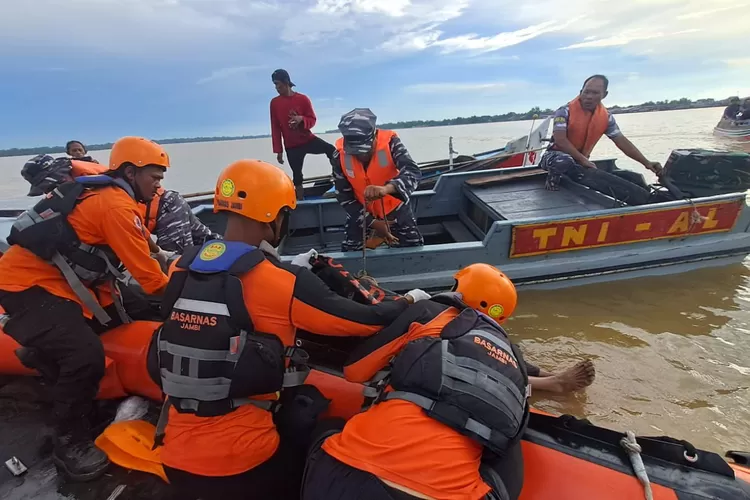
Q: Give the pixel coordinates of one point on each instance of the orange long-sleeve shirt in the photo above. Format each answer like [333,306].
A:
[280,299]
[105,216]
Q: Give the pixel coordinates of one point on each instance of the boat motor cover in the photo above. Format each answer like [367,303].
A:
[703,172]
[471,378]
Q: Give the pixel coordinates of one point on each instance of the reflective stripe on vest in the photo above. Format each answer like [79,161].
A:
[380,170]
[211,358]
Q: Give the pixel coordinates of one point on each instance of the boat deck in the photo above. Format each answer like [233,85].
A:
[528,198]
[472,209]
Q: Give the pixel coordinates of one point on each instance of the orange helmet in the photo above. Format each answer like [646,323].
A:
[254,189]
[485,288]
[137,151]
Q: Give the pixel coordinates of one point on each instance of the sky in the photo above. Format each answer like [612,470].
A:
[95,70]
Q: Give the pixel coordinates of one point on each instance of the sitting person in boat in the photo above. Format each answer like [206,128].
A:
[428,434]
[57,279]
[577,128]
[731,111]
[744,113]
[233,309]
[168,216]
[77,151]
[374,177]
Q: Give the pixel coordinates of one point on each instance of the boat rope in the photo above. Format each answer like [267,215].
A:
[695,216]
[634,452]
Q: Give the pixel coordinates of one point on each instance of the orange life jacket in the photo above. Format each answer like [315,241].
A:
[380,170]
[586,128]
[150,210]
[80,167]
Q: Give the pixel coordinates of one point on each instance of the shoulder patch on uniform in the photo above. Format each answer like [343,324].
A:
[495,311]
[560,119]
[213,251]
[138,223]
[227,188]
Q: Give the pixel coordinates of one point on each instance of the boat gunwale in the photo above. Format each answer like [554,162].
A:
[592,214]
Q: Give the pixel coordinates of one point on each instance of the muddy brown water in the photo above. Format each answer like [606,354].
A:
[671,353]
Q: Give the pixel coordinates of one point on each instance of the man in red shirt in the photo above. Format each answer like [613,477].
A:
[293,117]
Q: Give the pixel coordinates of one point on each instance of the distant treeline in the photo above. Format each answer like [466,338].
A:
[683,103]
[108,145]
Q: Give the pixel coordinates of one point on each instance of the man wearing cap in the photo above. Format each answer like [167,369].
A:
[293,117]
[374,177]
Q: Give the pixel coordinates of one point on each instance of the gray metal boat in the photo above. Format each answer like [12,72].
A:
[542,238]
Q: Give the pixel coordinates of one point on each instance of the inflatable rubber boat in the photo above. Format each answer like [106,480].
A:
[564,458]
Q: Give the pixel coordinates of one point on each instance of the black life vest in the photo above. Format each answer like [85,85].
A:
[45,231]
[207,357]
[471,378]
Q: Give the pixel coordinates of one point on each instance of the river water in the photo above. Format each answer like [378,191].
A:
[671,353]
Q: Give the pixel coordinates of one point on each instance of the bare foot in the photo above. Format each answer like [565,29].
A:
[573,379]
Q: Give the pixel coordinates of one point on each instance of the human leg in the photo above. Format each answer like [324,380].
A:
[56,330]
[320,147]
[403,226]
[352,234]
[328,479]
[557,164]
[278,478]
[575,378]
[504,474]
[296,158]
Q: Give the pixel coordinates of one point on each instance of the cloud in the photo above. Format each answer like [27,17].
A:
[742,62]
[622,39]
[499,41]
[455,87]
[395,8]
[224,73]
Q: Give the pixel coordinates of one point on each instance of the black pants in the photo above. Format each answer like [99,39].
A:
[66,340]
[277,478]
[296,156]
[57,328]
[329,479]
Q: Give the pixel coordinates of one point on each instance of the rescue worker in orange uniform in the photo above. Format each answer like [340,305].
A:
[577,128]
[232,309]
[64,255]
[374,177]
[452,401]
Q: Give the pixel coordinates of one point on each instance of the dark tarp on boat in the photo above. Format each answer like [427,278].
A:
[702,172]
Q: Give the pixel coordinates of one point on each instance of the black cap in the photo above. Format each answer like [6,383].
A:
[281,75]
